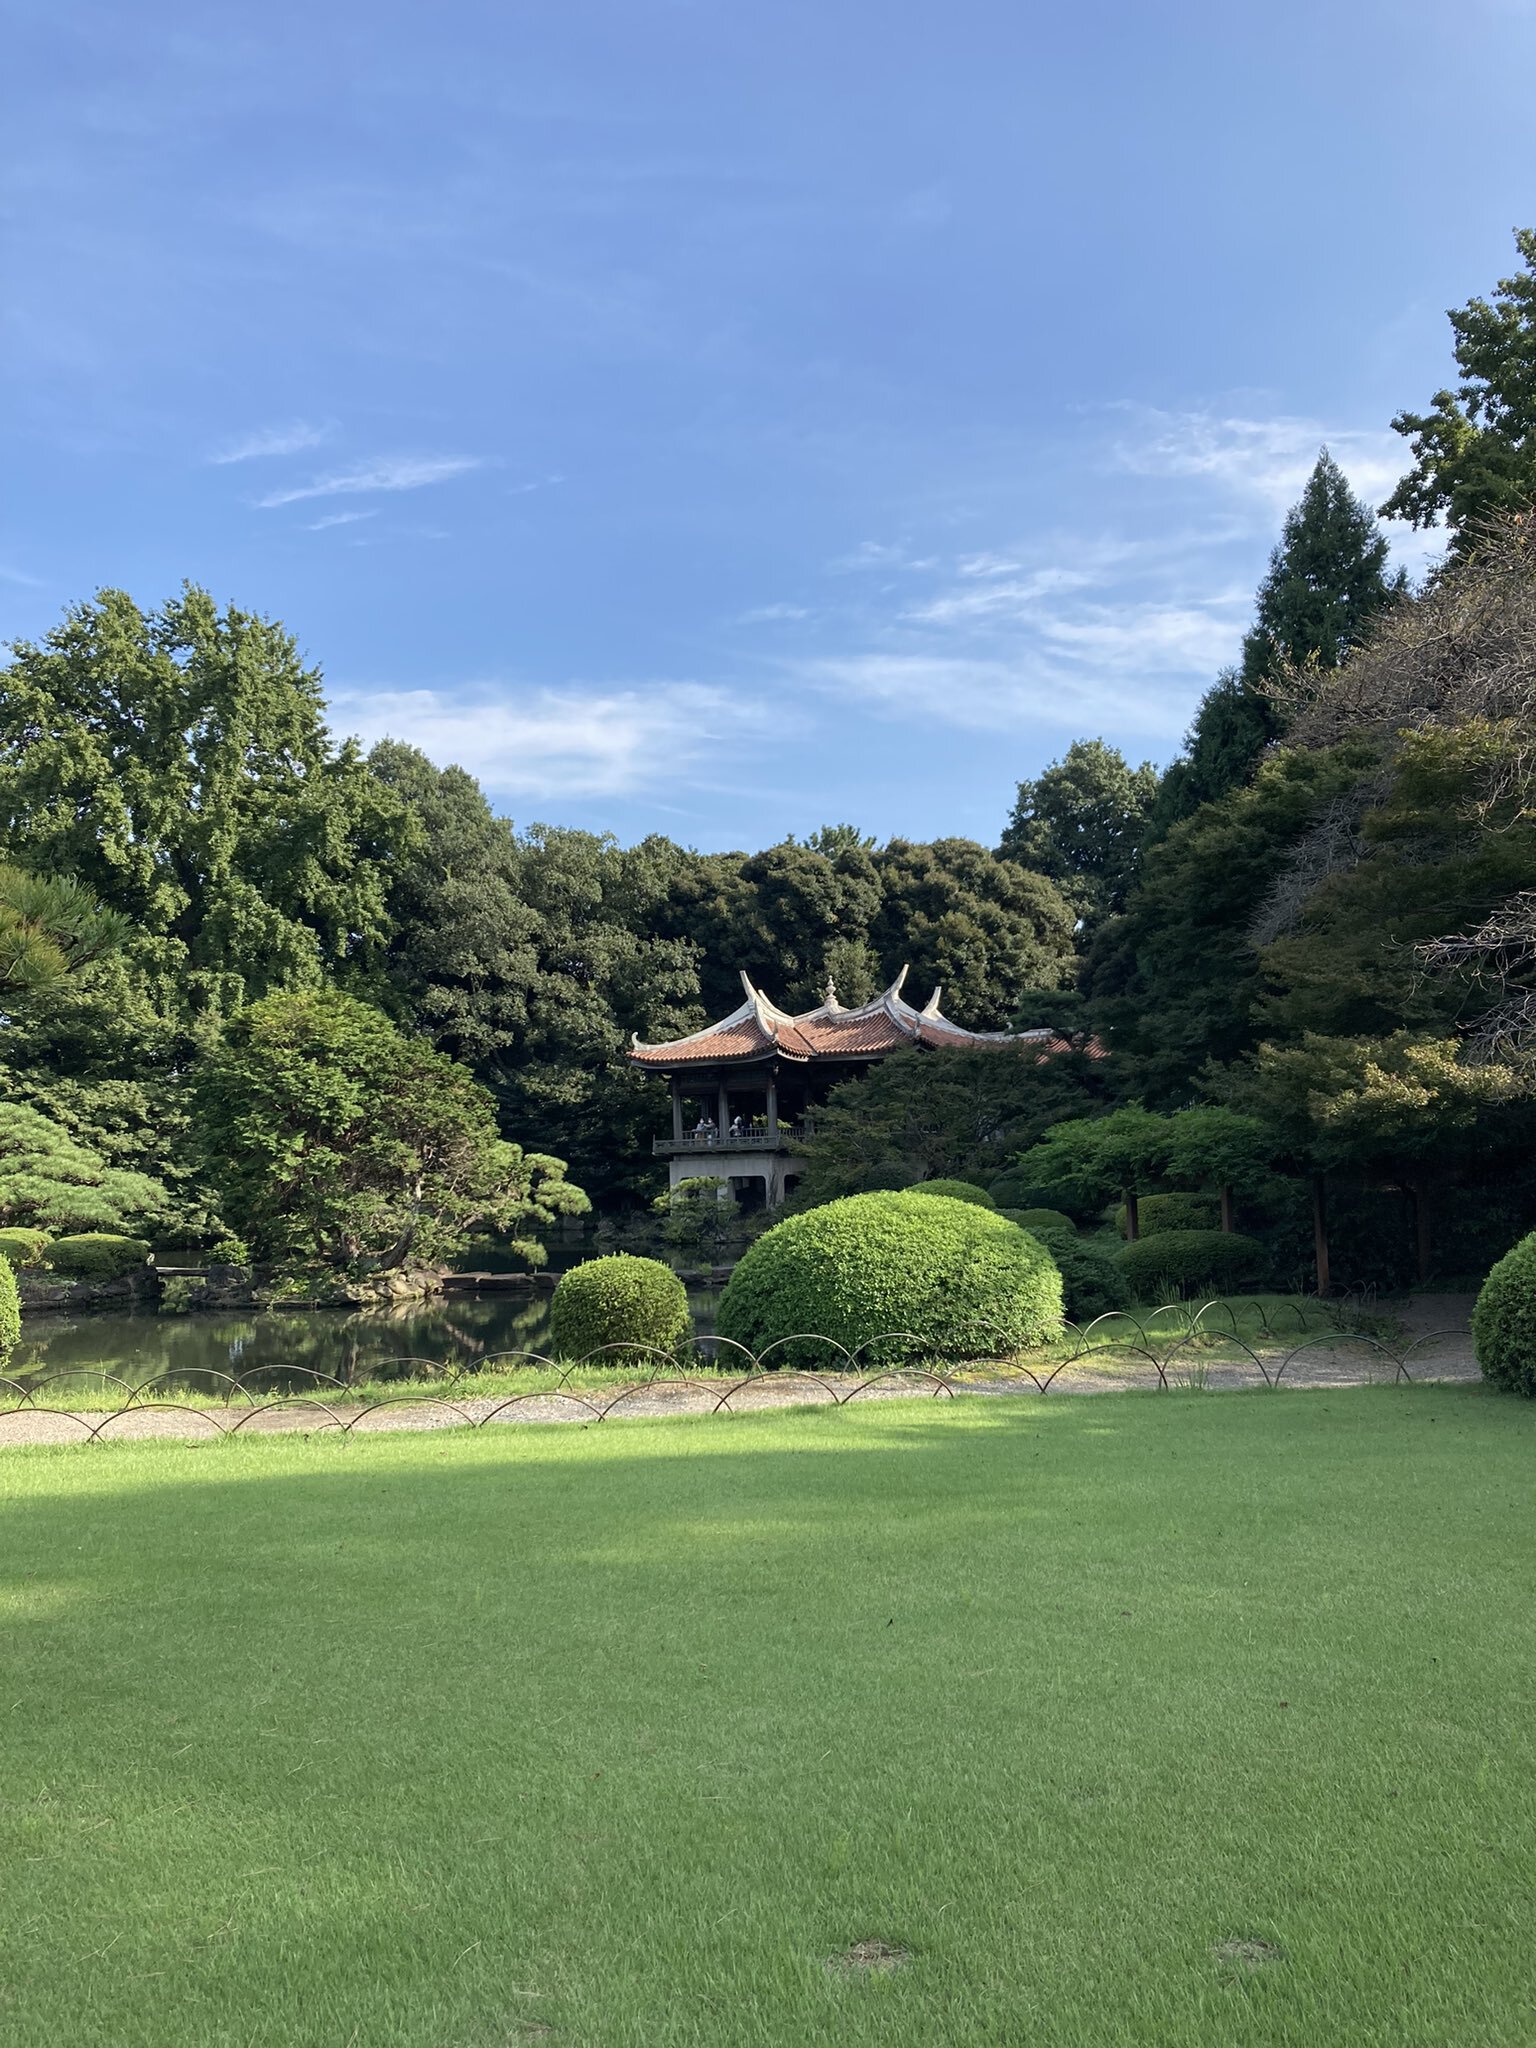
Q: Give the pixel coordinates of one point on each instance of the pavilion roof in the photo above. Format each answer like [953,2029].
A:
[761,1031]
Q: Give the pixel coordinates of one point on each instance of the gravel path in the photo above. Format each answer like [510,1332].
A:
[1438,1346]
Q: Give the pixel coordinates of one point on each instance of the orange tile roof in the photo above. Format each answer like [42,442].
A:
[759,1030]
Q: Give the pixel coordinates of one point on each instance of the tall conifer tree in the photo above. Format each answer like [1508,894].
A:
[1326,580]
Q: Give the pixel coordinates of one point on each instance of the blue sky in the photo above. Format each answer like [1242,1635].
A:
[724,419]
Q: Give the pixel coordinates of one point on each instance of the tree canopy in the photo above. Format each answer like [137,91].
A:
[1081,823]
[176,764]
[334,1138]
[1474,450]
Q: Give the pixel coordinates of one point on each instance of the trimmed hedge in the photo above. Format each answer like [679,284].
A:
[1504,1321]
[21,1247]
[1177,1262]
[955,1191]
[1013,1190]
[1091,1282]
[10,1312]
[1043,1219]
[620,1300]
[1158,1213]
[96,1255]
[936,1278]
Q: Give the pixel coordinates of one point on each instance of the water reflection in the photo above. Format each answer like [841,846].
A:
[457,1331]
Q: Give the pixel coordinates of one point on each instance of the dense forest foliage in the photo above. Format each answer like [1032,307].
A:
[240,957]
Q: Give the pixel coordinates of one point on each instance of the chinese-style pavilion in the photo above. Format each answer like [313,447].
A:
[750,1080]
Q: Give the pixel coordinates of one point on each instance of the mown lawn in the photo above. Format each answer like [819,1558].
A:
[616,1735]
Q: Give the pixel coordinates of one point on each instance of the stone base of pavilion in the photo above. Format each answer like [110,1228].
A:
[744,1169]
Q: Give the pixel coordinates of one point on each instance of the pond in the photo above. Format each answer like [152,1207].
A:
[280,1345]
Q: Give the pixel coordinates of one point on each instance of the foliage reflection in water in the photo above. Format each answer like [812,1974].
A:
[453,1331]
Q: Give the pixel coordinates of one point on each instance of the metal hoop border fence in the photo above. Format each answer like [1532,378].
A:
[839,1385]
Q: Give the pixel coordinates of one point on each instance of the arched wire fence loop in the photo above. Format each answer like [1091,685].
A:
[418,1402]
[906,1374]
[1211,1308]
[713,1376]
[809,1337]
[312,1374]
[146,1387]
[888,1337]
[1112,1315]
[729,1343]
[28,1412]
[782,1376]
[286,1406]
[1118,1352]
[100,1378]
[1345,1340]
[557,1394]
[1431,1337]
[205,1416]
[1233,1342]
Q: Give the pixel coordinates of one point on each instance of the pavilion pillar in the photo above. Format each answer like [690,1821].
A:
[723,1114]
[773,1104]
[677,1109]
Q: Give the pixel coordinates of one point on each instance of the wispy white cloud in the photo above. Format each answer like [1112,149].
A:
[9,573]
[997,694]
[1264,461]
[389,473]
[987,565]
[772,614]
[1267,459]
[1014,597]
[341,519]
[292,439]
[879,554]
[542,745]
[1168,639]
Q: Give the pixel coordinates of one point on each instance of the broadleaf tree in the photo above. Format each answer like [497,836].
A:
[1474,450]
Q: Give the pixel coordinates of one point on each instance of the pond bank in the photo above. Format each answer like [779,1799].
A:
[460,1329]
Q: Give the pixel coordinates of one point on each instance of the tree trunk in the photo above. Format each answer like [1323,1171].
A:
[1320,1234]
[1132,1220]
[1226,1207]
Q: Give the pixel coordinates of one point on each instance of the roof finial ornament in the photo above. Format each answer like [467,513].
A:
[832,1002]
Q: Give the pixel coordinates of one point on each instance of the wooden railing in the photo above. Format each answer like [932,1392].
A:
[755,1140]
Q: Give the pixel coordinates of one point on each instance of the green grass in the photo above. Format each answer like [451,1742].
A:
[613,1736]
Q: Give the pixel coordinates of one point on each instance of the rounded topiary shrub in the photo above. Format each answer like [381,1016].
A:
[96,1255]
[956,1191]
[23,1247]
[620,1300]
[1042,1219]
[1180,1262]
[931,1277]
[10,1313]
[1157,1213]
[1092,1284]
[1504,1321]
